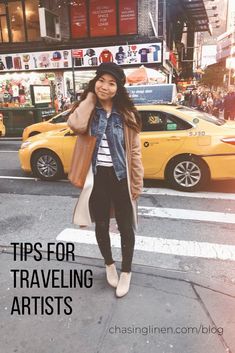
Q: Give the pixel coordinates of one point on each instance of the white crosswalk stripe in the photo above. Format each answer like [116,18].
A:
[177,213]
[195,195]
[156,245]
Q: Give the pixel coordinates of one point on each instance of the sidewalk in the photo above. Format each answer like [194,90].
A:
[101,323]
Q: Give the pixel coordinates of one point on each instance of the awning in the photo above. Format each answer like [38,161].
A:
[196,12]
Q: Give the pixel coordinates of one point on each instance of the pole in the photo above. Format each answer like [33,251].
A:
[73,73]
[232,49]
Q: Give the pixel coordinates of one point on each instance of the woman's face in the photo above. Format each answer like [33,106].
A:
[106,87]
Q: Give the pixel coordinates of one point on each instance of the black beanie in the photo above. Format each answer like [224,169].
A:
[112,69]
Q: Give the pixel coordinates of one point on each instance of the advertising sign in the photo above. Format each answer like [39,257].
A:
[127,17]
[41,94]
[122,55]
[148,94]
[78,15]
[58,59]
[103,21]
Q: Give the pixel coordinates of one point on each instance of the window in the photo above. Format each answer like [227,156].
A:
[105,18]
[161,121]
[204,116]
[16,21]
[3,25]
[19,21]
[61,118]
[32,20]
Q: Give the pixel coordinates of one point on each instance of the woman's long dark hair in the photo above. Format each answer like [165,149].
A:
[121,101]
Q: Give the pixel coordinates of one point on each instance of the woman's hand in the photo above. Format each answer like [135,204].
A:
[135,196]
[91,97]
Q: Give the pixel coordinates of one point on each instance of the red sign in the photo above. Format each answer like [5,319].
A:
[77,53]
[127,17]
[173,59]
[78,15]
[103,18]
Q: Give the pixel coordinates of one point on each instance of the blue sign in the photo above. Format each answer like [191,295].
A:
[152,94]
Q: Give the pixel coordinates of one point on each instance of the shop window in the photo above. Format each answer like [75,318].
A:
[3,25]
[105,18]
[32,20]
[3,29]
[128,17]
[16,21]
[78,17]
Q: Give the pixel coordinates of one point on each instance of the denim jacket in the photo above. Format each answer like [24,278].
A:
[113,128]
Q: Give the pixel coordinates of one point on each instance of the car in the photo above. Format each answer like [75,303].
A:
[185,147]
[57,122]
[2,126]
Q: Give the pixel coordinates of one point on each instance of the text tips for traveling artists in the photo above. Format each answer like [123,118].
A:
[48,279]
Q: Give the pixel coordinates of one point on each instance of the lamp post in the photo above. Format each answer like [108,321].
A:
[232,51]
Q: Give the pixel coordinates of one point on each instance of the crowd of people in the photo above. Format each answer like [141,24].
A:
[219,103]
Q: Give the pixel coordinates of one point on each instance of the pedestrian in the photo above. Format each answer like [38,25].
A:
[56,104]
[179,98]
[217,105]
[204,107]
[210,102]
[193,99]
[115,178]
[229,104]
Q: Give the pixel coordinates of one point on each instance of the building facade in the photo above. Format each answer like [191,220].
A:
[60,43]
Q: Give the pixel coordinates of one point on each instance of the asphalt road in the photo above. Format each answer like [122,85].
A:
[202,223]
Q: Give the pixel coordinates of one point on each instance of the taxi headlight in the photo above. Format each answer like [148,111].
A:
[25,144]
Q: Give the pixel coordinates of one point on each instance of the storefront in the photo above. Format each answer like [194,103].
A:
[62,68]
[20,71]
[67,72]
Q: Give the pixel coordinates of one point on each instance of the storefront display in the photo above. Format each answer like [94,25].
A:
[58,59]
[15,87]
[133,54]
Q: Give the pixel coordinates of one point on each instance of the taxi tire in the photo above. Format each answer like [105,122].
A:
[204,169]
[44,152]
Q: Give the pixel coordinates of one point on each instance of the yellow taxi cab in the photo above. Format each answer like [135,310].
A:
[57,122]
[2,126]
[186,147]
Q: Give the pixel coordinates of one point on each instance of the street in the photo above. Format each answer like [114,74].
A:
[47,207]
[150,85]
[187,237]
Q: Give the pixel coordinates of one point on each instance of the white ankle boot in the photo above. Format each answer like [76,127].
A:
[112,275]
[123,284]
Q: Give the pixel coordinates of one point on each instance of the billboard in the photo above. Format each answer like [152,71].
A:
[57,59]
[103,18]
[128,17]
[78,16]
[145,53]
[149,94]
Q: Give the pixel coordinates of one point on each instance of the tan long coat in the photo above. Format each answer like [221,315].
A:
[78,122]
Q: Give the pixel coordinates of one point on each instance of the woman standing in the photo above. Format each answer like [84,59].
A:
[115,178]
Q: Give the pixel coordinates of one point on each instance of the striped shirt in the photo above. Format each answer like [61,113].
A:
[104,157]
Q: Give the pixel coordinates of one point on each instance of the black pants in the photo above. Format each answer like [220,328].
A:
[108,189]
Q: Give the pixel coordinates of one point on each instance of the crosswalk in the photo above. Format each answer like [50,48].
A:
[155,243]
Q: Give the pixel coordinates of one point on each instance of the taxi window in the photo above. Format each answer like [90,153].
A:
[61,118]
[202,115]
[161,121]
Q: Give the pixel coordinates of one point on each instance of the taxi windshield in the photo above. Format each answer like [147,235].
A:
[204,116]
